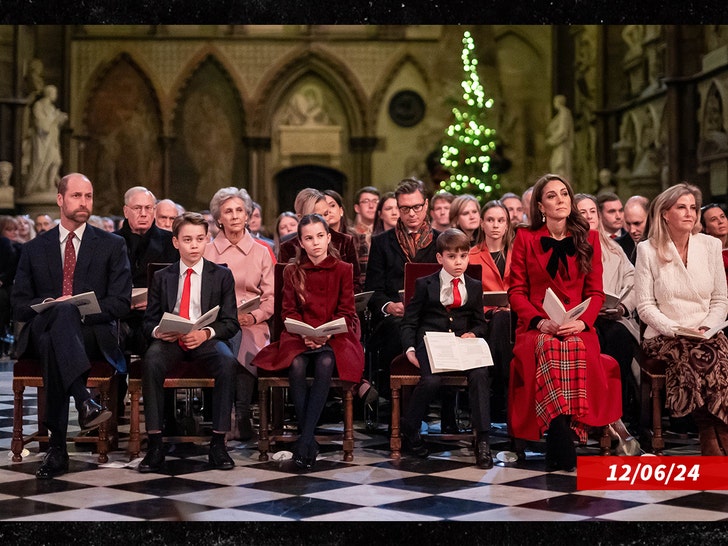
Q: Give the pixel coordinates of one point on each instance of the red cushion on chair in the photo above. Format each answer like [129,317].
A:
[401,366]
[30,367]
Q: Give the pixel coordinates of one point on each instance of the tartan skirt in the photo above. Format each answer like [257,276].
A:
[561,386]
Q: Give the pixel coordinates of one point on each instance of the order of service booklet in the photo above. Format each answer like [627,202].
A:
[87,304]
[495,299]
[248,306]
[556,310]
[697,334]
[449,353]
[613,300]
[337,326]
[172,323]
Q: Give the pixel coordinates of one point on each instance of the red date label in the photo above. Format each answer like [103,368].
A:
[649,473]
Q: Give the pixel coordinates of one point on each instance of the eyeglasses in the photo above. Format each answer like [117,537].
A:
[710,206]
[406,210]
[137,209]
[369,202]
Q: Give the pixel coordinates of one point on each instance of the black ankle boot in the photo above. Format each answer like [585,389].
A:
[560,450]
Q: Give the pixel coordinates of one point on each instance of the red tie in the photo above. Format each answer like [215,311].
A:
[69,265]
[184,304]
[613,236]
[457,301]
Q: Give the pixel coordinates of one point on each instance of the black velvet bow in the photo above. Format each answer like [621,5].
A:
[561,249]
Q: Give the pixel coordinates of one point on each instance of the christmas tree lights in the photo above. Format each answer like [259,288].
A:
[469,144]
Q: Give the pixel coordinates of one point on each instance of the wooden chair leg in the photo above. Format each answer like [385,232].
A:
[134,437]
[263,442]
[348,425]
[605,442]
[658,443]
[395,441]
[16,445]
[102,444]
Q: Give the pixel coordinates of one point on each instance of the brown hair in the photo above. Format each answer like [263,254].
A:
[298,275]
[452,239]
[193,218]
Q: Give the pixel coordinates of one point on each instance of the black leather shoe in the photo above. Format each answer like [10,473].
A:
[483,457]
[55,463]
[219,458]
[153,460]
[415,443]
[92,414]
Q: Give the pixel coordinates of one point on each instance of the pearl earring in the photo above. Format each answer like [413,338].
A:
[543,217]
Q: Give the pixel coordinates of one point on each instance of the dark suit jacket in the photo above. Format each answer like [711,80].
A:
[627,244]
[102,266]
[425,313]
[155,246]
[343,243]
[385,269]
[218,288]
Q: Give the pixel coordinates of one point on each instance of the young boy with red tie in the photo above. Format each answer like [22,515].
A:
[190,288]
[446,301]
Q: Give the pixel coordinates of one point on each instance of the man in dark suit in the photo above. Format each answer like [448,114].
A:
[446,301]
[72,258]
[145,244]
[411,240]
[635,222]
[190,288]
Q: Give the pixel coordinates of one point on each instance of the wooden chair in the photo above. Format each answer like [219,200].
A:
[652,384]
[404,374]
[29,373]
[270,399]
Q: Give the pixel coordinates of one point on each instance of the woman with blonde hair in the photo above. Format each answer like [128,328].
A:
[681,293]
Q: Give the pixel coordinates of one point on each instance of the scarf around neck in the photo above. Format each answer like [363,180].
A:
[411,243]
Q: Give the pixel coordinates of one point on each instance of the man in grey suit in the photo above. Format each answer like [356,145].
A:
[71,259]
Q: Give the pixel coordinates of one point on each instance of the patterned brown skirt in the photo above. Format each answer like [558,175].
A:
[697,372]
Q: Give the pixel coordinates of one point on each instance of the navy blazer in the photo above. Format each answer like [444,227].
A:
[425,313]
[218,288]
[102,266]
[385,268]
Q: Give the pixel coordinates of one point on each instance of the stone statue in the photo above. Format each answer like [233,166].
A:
[560,137]
[45,151]
[306,107]
[6,190]
[604,179]
[715,138]
[632,36]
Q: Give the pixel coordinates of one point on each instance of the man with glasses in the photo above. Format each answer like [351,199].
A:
[145,243]
[365,206]
[412,240]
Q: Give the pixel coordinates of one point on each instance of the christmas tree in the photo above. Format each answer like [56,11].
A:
[469,145]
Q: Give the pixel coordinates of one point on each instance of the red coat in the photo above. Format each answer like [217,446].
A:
[528,282]
[329,295]
[492,281]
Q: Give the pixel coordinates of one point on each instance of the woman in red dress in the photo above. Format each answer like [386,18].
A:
[559,380]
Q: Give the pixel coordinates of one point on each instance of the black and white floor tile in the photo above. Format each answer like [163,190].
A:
[373,487]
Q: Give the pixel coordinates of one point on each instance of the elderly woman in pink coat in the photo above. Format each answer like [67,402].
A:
[252,267]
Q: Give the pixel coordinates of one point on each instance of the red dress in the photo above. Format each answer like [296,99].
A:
[528,282]
[329,295]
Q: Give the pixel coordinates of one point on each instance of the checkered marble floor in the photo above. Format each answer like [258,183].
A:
[447,486]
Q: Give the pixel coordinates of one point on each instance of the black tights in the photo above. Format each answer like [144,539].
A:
[309,403]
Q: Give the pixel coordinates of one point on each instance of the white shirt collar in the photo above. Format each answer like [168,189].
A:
[78,232]
[197,268]
[446,278]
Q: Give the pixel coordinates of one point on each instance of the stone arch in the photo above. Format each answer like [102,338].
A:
[207,129]
[310,61]
[390,72]
[121,124]
[713,114]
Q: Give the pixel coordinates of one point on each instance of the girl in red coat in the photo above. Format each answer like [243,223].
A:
[559,381]
[317,288]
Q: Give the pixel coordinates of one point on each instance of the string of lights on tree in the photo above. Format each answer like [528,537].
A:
[469,144]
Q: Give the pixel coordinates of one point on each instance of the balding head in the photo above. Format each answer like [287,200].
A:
[165,214]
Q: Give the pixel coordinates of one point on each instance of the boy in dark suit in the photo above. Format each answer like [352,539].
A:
[189,288]
[446,301]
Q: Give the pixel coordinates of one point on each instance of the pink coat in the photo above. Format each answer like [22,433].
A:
[252,267]
[329,295]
